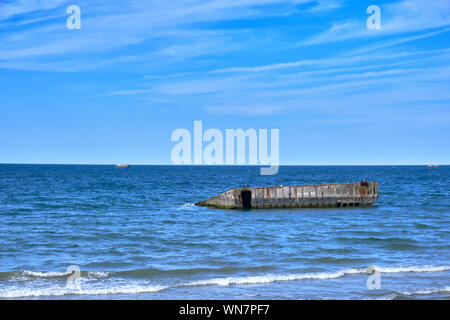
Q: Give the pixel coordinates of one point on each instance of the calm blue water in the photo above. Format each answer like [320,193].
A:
[135,234]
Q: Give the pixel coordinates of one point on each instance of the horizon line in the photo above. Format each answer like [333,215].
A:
[210,165]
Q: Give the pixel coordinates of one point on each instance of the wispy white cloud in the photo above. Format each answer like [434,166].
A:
[326,5]
[345,59]
[398,17]
[391,43]
[10,9]
[268,67]
[170,30]
[244,110]
[247,90]
[340,31]
[371,79]
[126,92]
[414,15]
[107,27]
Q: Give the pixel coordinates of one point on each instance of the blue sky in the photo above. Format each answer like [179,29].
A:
[113,91]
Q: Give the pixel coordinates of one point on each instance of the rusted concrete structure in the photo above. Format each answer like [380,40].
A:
[321,195]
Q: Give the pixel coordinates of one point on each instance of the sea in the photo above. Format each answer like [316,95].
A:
[101,232]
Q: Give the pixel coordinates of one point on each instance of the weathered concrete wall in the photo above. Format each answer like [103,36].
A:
[323,195]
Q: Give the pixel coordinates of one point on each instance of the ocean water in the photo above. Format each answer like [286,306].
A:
[134,233]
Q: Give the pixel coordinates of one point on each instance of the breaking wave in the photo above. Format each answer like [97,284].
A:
[426,291]
[272,278]
[413,269]
[38,274]
[309,276]
[103,287]
[188,204]
[48,292]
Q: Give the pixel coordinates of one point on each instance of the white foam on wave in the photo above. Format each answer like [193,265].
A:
[98,274]
[390,296]
[38,274]
[273,278]
[61,291]
[269,278]
[45,274]
[102,289]
[188,205]
[413,269]
[427,291]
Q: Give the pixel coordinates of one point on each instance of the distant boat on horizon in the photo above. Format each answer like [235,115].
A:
[433,166]
[122,165]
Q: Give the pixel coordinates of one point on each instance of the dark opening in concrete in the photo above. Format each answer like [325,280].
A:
[246,196]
